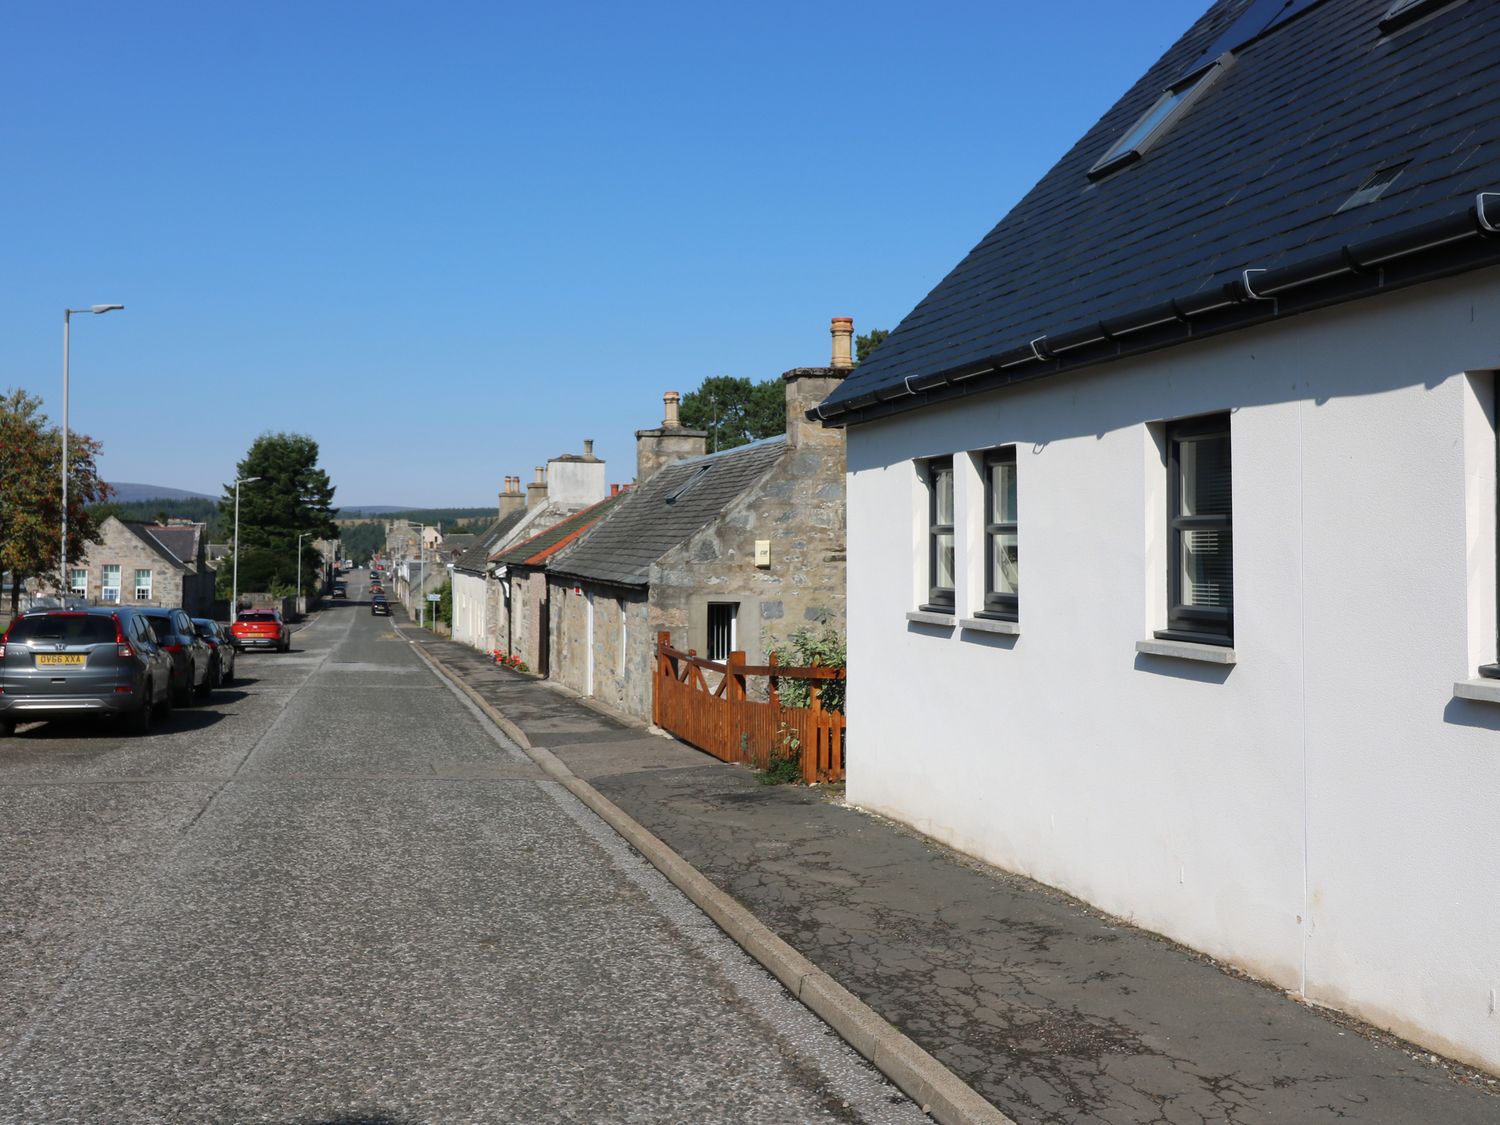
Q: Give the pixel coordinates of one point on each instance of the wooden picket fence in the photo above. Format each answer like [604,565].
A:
[733,728]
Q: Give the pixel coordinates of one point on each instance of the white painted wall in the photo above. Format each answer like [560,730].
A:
[1324,813]
[469,610]
[576,483]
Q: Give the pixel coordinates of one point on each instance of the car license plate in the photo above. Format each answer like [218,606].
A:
[55,661]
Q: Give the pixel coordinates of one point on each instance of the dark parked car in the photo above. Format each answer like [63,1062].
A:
[379,606]
[191,656]
[60,663]
[262,628]
[217,637]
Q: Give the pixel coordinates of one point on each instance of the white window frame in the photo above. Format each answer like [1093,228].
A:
[110,595]
[143,593]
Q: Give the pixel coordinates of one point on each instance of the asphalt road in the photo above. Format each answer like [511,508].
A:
[336,892]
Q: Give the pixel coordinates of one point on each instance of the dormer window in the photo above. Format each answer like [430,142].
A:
[1158,119]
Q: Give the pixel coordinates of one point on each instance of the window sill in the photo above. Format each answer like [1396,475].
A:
[929,617]
[1187,650]
[991,625]
[1480,690]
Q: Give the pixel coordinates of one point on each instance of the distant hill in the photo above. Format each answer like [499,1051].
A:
[370,510]
[128,493]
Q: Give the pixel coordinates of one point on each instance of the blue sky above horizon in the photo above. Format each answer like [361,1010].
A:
[450,242]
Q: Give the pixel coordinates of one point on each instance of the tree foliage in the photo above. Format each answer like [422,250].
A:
[361,541]
[735,411]
[154,511]
[31,491]
[293,496]
[864,345]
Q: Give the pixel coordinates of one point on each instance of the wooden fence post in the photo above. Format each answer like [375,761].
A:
[734,677]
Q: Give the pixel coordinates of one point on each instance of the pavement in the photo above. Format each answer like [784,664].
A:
[1051,1011]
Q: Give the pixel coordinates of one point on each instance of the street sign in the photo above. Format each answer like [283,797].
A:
[434,597]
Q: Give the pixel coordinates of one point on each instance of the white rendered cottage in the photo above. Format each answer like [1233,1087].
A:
[1172,517]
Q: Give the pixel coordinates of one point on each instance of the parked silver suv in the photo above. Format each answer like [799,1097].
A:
[60,663]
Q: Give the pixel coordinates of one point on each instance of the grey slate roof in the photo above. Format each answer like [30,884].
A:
[656,516]
[1252,177]
[537,549]
[167,541]
[474,560]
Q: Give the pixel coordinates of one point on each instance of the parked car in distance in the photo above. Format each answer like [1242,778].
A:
[379,606]
[262,628]
[217,637]
[192,657]
[61,663]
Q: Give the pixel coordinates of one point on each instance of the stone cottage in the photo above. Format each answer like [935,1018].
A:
[730,551]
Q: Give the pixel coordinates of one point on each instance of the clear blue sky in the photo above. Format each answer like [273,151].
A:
[451,240]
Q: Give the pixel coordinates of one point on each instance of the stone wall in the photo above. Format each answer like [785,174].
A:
[528,588]
[621,642]
[798,509]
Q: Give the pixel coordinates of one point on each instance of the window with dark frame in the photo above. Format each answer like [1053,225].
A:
[1200,523]
[940,558]
[721,630]
[1002,589]
[1492,671]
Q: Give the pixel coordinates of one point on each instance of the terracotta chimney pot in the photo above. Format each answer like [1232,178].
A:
[843,338]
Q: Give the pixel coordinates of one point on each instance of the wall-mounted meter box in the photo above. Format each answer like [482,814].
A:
[762,552]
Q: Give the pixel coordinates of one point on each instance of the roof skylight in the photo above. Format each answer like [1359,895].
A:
[1157,120]
[1374,187]
[1403,12]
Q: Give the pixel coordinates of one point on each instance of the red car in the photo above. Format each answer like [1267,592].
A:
[262,628]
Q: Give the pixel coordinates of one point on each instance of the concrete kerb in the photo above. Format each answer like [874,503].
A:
[940,1092]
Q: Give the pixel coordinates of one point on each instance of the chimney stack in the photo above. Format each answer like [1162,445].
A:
[511,499]
[588,449]
[806,387]
[536,491]
[843,337]
[671,442]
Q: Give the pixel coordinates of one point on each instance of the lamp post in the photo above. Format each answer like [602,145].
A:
[67,321]
[234,595]
[301,537]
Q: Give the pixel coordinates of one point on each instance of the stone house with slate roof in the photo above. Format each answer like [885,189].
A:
[520,570]
[1228,373]
[728,551]
[146,564]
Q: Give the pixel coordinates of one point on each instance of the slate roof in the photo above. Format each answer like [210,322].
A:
[1251,177]
[667,509]
[476,558]
[457,543]
[540,547]
[178,545]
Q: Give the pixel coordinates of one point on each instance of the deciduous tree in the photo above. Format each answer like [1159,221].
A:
[31,492]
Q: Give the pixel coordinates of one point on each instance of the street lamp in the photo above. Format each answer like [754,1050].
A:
[67,320]
[301,537]
[234,603]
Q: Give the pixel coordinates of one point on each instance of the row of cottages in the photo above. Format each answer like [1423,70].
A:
[1228,373]
[146,564]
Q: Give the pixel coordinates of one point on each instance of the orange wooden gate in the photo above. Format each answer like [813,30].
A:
[733,728]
